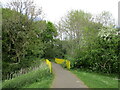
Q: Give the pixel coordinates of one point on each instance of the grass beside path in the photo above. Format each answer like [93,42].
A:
[96,80]
[44,83]
[39,78]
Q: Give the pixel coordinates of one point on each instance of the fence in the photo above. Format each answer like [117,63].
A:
[20,72]
[60,61]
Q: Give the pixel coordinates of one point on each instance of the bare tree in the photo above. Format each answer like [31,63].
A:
[105,18]
[26,7]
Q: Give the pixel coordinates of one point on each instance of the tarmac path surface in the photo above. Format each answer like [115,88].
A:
[65,79]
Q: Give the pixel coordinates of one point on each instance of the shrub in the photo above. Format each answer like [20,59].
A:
[28,78]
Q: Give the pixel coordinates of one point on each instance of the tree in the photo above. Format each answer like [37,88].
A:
[49,33]
[48,38]
[79,30]
[89,44]
[13,36]
[105,18]
[26,7]
[20,41]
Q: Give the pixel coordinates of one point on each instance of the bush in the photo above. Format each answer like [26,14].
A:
[28,78]
[100,55]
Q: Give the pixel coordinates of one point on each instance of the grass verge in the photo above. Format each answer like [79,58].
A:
[44,83]
[96,80]
[40,78]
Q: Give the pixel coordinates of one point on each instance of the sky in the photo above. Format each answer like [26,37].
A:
[55,9]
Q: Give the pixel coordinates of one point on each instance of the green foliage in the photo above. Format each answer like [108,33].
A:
[29,78]
[102,55]
[16,67]
[89,43]
[24,40]
[59,49]
[17,40]
[56,50]
[49,33]
[79,30]
[86,42]
[64,65]
[48,37]
[21,41]
[12,40]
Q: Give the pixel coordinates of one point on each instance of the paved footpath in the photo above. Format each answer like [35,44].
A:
[65,79]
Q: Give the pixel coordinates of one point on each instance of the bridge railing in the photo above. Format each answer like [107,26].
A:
[60,61]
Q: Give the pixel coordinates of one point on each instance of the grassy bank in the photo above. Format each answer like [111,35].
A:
[45,82]
[96,80]
[39,78]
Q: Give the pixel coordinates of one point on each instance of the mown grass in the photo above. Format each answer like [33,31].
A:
[39,78]
[44,83]
[97,80]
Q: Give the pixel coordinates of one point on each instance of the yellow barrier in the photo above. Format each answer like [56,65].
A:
[60,61]
[68,64]
[49,64]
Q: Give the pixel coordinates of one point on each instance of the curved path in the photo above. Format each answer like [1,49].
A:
[65,79]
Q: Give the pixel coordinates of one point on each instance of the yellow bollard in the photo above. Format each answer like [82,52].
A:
[68,64]
[49,64]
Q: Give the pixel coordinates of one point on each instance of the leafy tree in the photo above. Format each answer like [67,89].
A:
[79,30]
[49,33]
[48,37]
[90,44]
[14,39]
[20,41]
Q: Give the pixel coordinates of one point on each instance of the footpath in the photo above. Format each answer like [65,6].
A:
[65,79]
